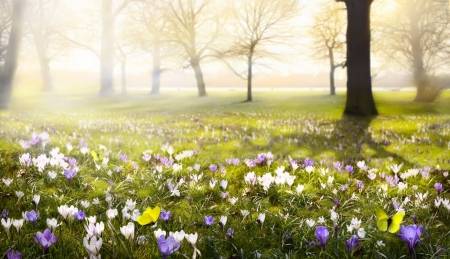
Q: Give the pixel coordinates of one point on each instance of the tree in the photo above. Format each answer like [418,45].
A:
[109,11]
[193,25]
[328,36]
[259,28]
[416,39]
[12,52]
[359,85]
[43,18]
[153,24]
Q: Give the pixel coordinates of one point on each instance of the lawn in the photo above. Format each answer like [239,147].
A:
[266,179]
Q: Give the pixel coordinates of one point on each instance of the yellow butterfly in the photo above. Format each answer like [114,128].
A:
[391,224]
[149,216]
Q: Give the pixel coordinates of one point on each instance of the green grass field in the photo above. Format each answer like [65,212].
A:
[274,137]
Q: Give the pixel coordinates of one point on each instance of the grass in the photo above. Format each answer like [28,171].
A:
[296,125]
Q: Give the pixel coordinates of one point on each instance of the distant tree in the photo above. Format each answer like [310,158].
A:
[12,49]
[258,28]
[416,38]
[328,37]
[151,18]
[5,28]
[194,26]
[359,84]
[43,19]
[84,35]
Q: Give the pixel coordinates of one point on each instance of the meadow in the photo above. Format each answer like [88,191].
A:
[177,176]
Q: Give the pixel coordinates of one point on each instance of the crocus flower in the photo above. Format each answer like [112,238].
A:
[128,230]
[123,157]
[52,224]
[5,214]
[223,220]
[32,216]
[45,239]
[69,173]
[13,255]
[322,234]
[165,215]
[213,168]
[167,246]
[230,232]
[352,243]
[7,225]
[410,235]
[80,215]
[209,220]
[438,187]
[92,245]
[17,223]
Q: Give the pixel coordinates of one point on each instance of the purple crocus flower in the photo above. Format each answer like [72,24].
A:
[349,169]
[438,187]
[13,255]
[322,234]
[5,214]
[123,157]
[83,144]
[165,215]
[209,220]
[224,195]
[352,243]
[410,235]
[230,232]
[80,215]
[69,173]
[360,185]
[308,162]
[213,168]
[32,216]
[414,217]
[167,246]
[72,161]
[45,239]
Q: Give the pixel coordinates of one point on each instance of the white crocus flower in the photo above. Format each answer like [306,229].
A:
[111,213]
[92,245]
[128,230]
[7,181]
[52,224]
[178,235]
[300,188]
[261,218]
[36,199]
[158,233]
[85,204]
[223,220]
[191,238]
[310,223]
[17,223]
[6,224]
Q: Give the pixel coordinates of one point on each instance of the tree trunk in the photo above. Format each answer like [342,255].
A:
[359,85]
[44,62]
[250,75]
[424,92]
[12,53]
[332,68]
[107,51]
[123,70]
[195,63]
[156,77]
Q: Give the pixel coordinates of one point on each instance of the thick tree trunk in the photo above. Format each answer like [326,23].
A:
[123,70]
[156,77]
[12,53]
[359,85]
[195,63]
[107,51]
[250,76]
[332,68]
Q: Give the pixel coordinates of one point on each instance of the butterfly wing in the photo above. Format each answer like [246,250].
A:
[154,213]
[145,218]
[94,156]
[382,220]
[396,221]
